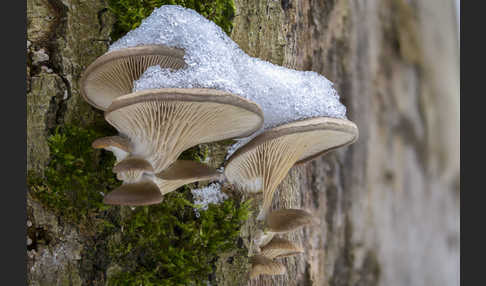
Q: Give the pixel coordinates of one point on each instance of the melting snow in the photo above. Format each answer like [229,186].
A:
[215,61]
[208,195]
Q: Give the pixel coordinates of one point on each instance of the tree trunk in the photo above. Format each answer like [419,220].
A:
[388,204]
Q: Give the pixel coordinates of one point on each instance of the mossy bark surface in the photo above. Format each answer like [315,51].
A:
[388,205]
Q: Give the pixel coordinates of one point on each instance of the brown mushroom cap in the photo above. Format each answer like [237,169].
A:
[121,147]
[162,123]
[183,172]
[131,169]
[113,141]
[112,74]
[280,247]
[133,163]
[263,163]
[285,220]
[141,193]
[263,265]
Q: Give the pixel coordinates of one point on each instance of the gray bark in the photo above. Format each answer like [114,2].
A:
[388,204]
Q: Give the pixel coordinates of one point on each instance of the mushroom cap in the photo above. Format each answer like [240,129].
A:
[113,141]
[131,164]
[183,172]
[112,74]
[262,238]
[141,193]
[131,169]
[162,123]
[280,247]
[263,163]
[263,265]
[189,170]
[321,134]
[286,220]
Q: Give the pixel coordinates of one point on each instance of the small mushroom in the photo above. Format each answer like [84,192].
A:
[263,163]
[282,221]
[162,123]
[142,193]
[266,266]
[183,172]
[121,147]
[280,247]
[131,169]
[112,74]
[286,220]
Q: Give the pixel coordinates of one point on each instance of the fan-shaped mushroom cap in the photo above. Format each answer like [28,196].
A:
[262,238]
[112,74]
[263,265]
[144,192]
[121,147]
[131,169]
[183,172]
[285,220]
[162,123]
[263,163]
[280,247]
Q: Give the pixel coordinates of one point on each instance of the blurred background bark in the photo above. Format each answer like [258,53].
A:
[389,204]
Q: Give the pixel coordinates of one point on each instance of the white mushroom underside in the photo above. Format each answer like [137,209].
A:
[269,162]
[115,78]
[119,153]
[167,186]
[162,130]
[130,176]
[272,160]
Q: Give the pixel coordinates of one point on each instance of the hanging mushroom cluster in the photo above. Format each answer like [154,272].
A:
[260,166]
[155,126]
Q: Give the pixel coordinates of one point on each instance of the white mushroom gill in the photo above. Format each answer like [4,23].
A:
[268,163]
[163,123]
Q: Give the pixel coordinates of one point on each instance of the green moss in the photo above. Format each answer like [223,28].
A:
[197,153]
[164,244]
[130,13]
[167,244]
[76,174]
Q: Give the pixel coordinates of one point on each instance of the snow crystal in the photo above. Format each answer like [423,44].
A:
[208,195]
[215,61]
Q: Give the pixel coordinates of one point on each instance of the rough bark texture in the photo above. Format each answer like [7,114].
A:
[389,204]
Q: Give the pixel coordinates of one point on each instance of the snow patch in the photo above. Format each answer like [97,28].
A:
[215,61]
[208,195]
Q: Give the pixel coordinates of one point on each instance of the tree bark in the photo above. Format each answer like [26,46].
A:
[388,204]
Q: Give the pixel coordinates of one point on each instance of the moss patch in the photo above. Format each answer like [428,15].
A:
[167,244]
[76,174]
[130,13]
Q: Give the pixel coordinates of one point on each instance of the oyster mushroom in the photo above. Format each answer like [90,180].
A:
[162,123]
[282,221]
[280,247]
[121,147]
[183,172]
[263,163]
[266,266]
[131,169]
[141,193]
[112,74]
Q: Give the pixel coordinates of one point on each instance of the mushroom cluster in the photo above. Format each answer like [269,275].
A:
[261,165]
[155,126]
